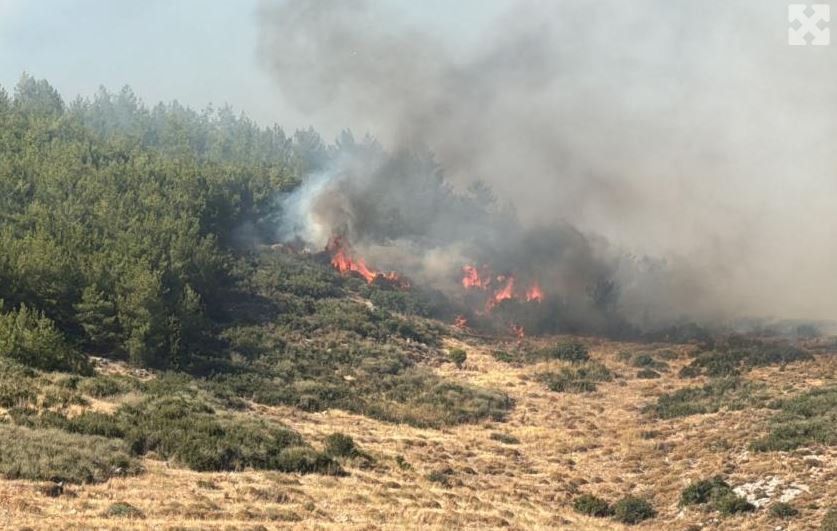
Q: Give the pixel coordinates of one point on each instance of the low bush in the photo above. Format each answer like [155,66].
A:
[809,418]
[340,445]
[572,352]
[53,455]
[122,510]
[829,522]
[590,505]
[305,460]
[783,510]
[441,476]
[633,510]
[420,398]
[189,432]
[705,491]
[17,392]
[732,503]
[731,393]
[104,386]
[458,357]
[95,423]
[733,356]
[578,379]
[504,438]
[646,361]
[647,374]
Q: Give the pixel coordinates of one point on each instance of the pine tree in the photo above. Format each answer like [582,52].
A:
[97,316]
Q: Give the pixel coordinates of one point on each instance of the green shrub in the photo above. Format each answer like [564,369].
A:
[592,506]
[504,438]
[103,386]
[53,455]
[29,337]
[305,460]
[731,503]
[189,432]
[646,361]
[783,510]
[705,491]
[577,379]
[501,355]
[16,392]
[458,357]
[441,476]
[633,510]
[340,445]
[647,374]
[402,463]
[572,352]
[95,423]
[732,393]
[60,396]
[829,522]
[733,356]
[809,418]
[122,510]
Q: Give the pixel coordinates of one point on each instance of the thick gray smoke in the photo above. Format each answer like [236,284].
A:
[684,130]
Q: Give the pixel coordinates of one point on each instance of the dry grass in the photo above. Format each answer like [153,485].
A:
[598,443]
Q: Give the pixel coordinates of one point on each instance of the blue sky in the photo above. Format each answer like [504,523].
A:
[195,51]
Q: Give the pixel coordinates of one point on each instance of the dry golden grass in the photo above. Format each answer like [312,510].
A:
[569,444]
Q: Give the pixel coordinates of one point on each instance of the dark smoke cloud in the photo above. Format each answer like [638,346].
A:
[679,129]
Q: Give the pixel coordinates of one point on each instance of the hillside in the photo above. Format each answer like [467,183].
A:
[523,472]
[166,362]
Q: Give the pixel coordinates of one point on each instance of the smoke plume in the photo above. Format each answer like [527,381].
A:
[686,131]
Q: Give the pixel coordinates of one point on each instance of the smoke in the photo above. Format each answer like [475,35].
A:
[684,130]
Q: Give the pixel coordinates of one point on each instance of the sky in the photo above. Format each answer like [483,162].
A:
[195,51]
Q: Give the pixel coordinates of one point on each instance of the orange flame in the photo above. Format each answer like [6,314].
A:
[505,293]
[460,322]
[472,279]
[534,293]
[343,262]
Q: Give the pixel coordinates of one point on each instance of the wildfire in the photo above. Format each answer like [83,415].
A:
[504,293]
[472,278]
[534,293]
[479,278]
[461,322]
[342,260]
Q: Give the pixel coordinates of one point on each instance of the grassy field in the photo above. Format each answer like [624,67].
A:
[523,472]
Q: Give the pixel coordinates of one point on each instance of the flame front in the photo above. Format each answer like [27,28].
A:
[342,261]
[475,278]
[503,294]
[534,293]
[472,278]
[461,322]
